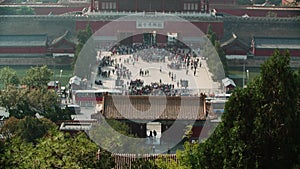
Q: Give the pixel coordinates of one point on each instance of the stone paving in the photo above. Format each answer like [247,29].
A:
[159,71]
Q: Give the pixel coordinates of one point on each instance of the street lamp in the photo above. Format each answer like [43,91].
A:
[60,78]
[154,36]
[244,67]
[247,74]
[54,72]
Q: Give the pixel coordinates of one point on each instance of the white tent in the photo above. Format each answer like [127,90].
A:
[75,80]
[227,82]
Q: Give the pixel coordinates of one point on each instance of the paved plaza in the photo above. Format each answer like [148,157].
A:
[160,72]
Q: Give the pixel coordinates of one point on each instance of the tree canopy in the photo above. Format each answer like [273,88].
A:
[216,62]
[28,129]
[8,77]
[55,150]
[260,126]
[24,10]
[82,37]
[20,101]
[37,77]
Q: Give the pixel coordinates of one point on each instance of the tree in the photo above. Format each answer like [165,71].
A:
[142,163]
[43,100]
[113,135]
[37,77]
[271,14]
[82,37]
[60,151]
[277,124]
[9,98]
[46,103]
[9,127]
[17,11]
[24,10]
[215,54]
[211,35]
[20,103]
[222,56]
[260,126]
[58,114]
[8,77]
[31,129]
[15,101]
[244,2]
[28,129]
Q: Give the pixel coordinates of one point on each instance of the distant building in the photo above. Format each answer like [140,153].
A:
[78,1]
[14,45]
[75,126]
[151,6]
[288,2]
[62,46]
[235,48]
[265,46]
[35,45]
[228,84]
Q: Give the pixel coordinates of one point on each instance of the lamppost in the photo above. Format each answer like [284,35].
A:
[154,36]
[60,74]
[247,74]
[54,72]
[244,74]
[59,87]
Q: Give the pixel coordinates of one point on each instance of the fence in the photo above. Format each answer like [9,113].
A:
[125,160]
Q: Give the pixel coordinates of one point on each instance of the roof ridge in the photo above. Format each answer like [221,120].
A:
[44,34]
[58,39]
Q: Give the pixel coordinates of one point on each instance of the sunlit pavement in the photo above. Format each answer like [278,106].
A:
[159,71]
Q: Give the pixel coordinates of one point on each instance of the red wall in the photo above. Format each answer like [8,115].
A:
[67,47]
[23,50]
[70,50]
[259,12]
[217,27]
[56,10]
[269,52]
[95,25]
[137,38]
[130,26]
[226,2]
[235,52]
[200,129]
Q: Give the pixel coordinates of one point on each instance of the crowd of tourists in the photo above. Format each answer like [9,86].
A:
[137,87]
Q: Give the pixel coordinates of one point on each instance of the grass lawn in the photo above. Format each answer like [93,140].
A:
[67,72]
[252,75]
[237,76]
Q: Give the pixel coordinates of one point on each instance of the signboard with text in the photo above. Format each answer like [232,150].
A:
[148,24]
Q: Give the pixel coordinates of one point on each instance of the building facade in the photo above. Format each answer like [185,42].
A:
[151,5]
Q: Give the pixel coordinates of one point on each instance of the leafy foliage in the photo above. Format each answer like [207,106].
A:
[114,135]
[37,77]
[28,129]
[142,163]
[250,2]
[8,77]
[215,54]
[222,56]
[82,37]
[55,150]
[17,11]
[212,36]
[23,102]
[36,98]
[260,126]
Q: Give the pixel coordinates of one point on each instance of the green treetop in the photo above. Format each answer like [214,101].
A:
[260,126]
